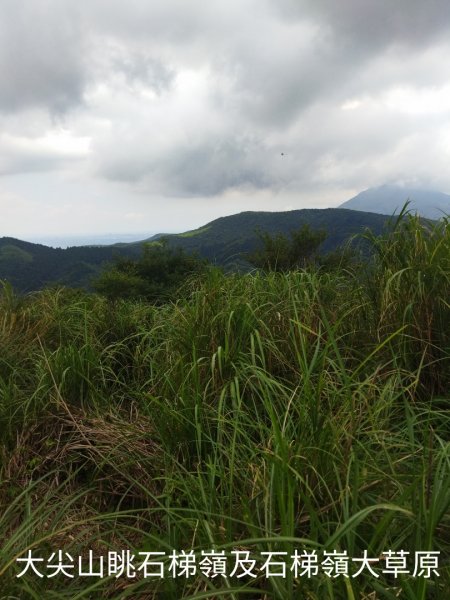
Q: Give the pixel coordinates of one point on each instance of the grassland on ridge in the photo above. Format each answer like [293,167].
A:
[262,412]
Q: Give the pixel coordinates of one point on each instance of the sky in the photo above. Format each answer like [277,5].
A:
[159,116]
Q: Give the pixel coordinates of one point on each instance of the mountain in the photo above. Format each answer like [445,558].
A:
[223,241]
[388,199]
[30,267]
[227,239]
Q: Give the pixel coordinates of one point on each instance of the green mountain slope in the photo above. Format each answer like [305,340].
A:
[228,238]
[30,267]
[223,241]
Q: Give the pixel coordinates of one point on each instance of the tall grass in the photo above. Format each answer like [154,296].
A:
[264,413]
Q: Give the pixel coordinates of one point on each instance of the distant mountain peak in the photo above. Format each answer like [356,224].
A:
[389,198]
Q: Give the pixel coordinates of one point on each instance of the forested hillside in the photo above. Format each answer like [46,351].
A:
[224,241]
[31,267]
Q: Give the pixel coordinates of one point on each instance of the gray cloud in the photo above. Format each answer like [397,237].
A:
[211,168]
[41,56]
[139,68]
[202,167]
[371,25]
[23,150]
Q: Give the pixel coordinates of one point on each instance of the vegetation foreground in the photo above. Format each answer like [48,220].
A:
[271,412]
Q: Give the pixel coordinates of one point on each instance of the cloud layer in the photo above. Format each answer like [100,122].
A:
[205,107]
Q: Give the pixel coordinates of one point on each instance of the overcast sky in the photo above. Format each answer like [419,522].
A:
[152,115]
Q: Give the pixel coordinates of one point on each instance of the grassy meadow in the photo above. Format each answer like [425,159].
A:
[265,413]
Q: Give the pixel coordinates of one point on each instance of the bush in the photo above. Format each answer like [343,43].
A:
[155,276]
[279,253]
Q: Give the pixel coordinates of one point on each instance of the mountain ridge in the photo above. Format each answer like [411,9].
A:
[224,241]
[389,198]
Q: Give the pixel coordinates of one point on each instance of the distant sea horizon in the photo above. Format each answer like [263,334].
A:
[102,239]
